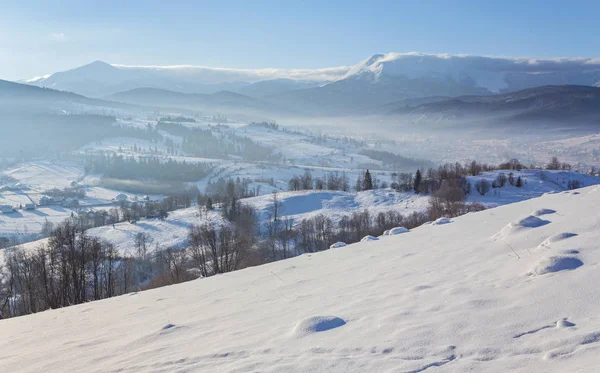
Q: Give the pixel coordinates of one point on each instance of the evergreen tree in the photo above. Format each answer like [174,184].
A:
[417,182]
[209,203]
[519,182]
[359,183]
[368,181]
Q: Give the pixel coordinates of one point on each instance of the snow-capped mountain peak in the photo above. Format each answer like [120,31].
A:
[492,73]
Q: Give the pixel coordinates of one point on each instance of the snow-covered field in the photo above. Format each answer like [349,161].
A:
[495,291]
[24,222]
[306,204]
[43,175]
[171,232]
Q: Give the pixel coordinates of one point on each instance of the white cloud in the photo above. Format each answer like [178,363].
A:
[230,74]
[493,63]
[57,36]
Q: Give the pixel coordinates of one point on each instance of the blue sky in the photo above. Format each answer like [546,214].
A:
[40,37]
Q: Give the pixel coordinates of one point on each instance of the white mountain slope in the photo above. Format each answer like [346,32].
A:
[492,73]
[494,291]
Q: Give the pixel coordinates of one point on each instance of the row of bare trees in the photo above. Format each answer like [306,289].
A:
[70,268]
[284,238]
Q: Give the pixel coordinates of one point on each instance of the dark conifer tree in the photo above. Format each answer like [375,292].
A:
[368,181]
[519,182]
[417,182]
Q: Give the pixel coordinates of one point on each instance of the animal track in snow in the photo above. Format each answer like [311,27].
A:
[533,331]
[562,323]
[434,364]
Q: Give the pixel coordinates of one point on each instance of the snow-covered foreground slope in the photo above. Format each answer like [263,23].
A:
[509,289]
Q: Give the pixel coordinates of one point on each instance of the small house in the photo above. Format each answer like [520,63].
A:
[29,206]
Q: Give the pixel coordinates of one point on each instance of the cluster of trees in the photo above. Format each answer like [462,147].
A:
[335,181]
[270,125]
[225,189]
[455,174]
[74,268]
[332,181]
[217,249]
[284,238]
[119,167]
[483,186]
[395,160]
[178,119]
[71,268]
[555,164]
[67,192]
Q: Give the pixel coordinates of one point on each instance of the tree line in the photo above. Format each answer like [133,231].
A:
[120,167]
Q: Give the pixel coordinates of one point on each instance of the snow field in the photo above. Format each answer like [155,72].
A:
[445,298]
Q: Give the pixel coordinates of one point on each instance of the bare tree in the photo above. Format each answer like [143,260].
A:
[482,186]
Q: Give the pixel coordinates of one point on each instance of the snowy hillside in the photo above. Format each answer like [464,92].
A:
[478,294]
[171,232]
[536,183]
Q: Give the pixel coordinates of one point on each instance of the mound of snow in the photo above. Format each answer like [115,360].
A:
[441,221]
[541,212]
[571,252]
[337,244]
[317,324]
[369,238]
[555,264]
[397,230]
[528,222]
[563,323]
[556,238]
[560,236]
[386,233]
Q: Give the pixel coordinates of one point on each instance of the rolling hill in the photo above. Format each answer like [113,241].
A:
[548,104]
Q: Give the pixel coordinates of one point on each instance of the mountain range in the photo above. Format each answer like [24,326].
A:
[434,86]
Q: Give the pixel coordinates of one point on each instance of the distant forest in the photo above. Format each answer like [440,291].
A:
[398,161]
[30,134]
[204,143]
[119,167]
